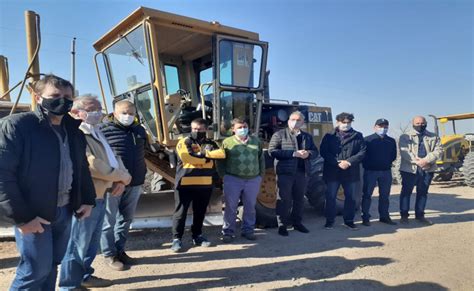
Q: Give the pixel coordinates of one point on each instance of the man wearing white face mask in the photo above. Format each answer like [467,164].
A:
[343,150]
[292,150]
[108,174]
[127,138]
[381,152]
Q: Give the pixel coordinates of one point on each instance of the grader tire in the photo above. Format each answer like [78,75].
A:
[316,193]
[396,176]
[468,169]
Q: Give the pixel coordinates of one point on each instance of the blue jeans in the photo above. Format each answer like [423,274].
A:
[384,181]
[41,253]
[119,213]
[234,189]
[82,248]
[349,201]
[422,181]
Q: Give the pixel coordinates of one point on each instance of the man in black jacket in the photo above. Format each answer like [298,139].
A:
[44,179]
[292,149]
[343,150]
[127,138]
[381,152]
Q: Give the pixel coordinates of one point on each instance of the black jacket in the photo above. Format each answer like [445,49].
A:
[282,146]
[129,143]
[381,152]
[351,149]
[29,167]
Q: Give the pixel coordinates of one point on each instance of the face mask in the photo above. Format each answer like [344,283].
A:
[198,135]
[419,128]
[242,132]
[294,124]
[126,119]
[381,131]
[345,126]
[93,117]
[56,106]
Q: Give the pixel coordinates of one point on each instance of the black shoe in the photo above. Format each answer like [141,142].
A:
[201,241]
[282,231]
[300,228]
[124,258]
[227,238]
[404,220]
[351,226]
[366,222]
[424,221]
[329,225]
[249,235]
[388,221]
[96,282]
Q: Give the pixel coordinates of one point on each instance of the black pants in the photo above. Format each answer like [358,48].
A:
[290,198]
[183,197]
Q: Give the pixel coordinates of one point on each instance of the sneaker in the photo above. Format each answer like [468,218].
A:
[388,221]
[404,220]
[176,245]
[282,230]
[114,263]
[366,222]
[227,238]
[329,225]
[201,241]
[249,236]
[424,221]
[351,225]
[300,228]
[96,282]
[126,259]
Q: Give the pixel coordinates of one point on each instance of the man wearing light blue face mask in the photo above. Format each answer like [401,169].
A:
[242,171]
[380,154]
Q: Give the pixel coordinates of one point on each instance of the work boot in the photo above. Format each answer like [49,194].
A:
[282,231]
[176,245]
[126,259]
[424,221]
[96,282]
[388,221]
[301,228]
[201,241]
[114,263]
[249,235]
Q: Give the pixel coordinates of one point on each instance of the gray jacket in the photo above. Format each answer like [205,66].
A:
[408,145]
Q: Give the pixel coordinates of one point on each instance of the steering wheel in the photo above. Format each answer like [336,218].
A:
[207,109]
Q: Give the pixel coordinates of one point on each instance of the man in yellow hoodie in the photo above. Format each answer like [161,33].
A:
[109,175]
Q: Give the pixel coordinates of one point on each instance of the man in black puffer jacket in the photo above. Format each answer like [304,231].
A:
[343,150]
[127,138]
[44,179]
[293,149]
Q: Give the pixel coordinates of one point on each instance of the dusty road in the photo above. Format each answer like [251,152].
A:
[412,257]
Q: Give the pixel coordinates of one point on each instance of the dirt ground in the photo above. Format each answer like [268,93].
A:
[412,257]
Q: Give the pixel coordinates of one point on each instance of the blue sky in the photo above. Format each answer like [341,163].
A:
[391,59]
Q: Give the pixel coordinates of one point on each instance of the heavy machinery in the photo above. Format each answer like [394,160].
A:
[458,149]
[175,69]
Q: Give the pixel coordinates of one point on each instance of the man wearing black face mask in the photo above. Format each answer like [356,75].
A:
[44,179]
[419,151]
[195,174]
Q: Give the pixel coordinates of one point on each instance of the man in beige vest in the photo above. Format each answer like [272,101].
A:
[109,175]
[419,151]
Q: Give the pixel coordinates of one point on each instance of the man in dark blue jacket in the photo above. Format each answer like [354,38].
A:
[343,150]
[127,138]
[292,149]
[381,152]
[44,179]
